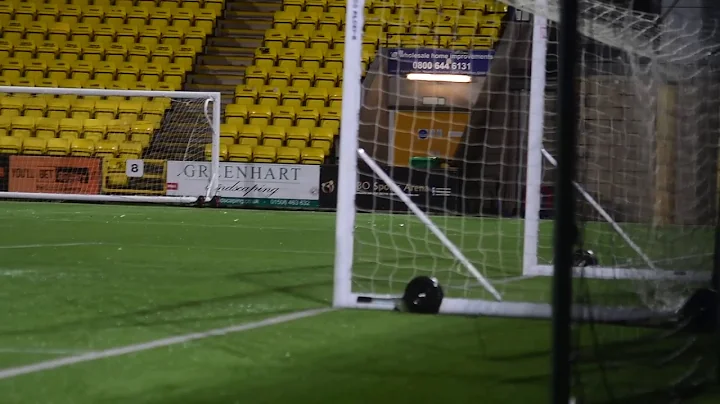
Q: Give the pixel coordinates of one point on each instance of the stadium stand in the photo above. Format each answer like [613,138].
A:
[103,44]
[291,97]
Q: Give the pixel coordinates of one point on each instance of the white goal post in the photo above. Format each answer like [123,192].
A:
[105,145]
[373,248]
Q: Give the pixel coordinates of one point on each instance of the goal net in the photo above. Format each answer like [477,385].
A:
[109,145]
[447,170]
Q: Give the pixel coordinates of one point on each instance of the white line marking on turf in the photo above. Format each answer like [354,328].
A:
[49,245]
[159,343]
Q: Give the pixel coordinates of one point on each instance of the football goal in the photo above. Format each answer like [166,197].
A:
[447,162]
[110,145]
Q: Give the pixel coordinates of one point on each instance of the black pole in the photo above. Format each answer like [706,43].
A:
[565,228]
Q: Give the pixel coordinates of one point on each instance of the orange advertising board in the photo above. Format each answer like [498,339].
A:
[55,175]
[426,134]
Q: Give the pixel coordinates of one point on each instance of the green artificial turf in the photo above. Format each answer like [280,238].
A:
[79,278]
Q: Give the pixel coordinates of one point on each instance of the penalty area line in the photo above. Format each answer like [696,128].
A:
[159,343]
[51,245]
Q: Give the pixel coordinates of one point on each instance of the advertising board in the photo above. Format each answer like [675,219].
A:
[439,61]
[55,175]
[246,184]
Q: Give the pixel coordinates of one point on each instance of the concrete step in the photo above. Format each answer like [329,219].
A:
[241,33]
[250,27]
[224,89]
[210,59]
[233,13]
[221,46]
[251,6]
[220,69]
[230,80]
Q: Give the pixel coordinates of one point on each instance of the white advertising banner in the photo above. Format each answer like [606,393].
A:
[247,183]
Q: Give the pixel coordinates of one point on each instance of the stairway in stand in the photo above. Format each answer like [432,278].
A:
[220,67]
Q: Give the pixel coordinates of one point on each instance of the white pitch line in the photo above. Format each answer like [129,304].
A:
[159,343]
[49,245]
[42,351]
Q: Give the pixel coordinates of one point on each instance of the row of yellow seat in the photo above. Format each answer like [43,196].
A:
[316,97]
[70,147]
[164,78]
[33,10]
[58,108]
[277,136]
[438,5]
[325,77]
[82,34]
[116,130]
[243,153]
[58,59]
[284,116]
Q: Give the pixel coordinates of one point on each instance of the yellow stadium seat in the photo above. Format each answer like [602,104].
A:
[312,59]
[316,6]
[58,70]
[11,106]
[57,147]
[6,12]
[115,16]
[106,109]
[13,31]
[82,109]
[81,70]
[307,21]
[269,95]
[82,148]
[104,72]
[59,32]
[283,116]
[82,33]
[490,26]
[240,153]
[36,31]
[259,114]
[245,95]
[279,76]
[106,149]
[288,155]
[339,42]
[316,97]
[373,24]
[25,12]
[182,19]
[195,37]
[236,114]
[130,150]
[297,137]
[397,24]
[326,78]
[142,132]
[153,111]
[192,4]
[46,50]
[223,152]
[298,39]
[288,58]
[10,145]
[12,68]
[34,146]
[138,16]
[5,82]
[265,57]
[47,13]
[58,108]
[228,133]
[274,39]
[5,125]
[330,118]
[94,85]
[128,72]
[47,83]
[94,129]
[302,78]
[70,128]
[129,111]
[162,54]
[205,20]
[307,117]
[22,126]
[264,154]
[322,138]
[104,33]
[174,75]
[47,128]
[420,28]
[149,4]
[331,22]
[6,49]
[92,15]
[215,5]
[273,136]
[255,76]
[284,20]
[334,60]
[321,41]
[115,53]
[336,6]
[22,82]
[293,97]
[160,18]
[24,50]
[126,34]
[152,36]
[71,51]
[294,6]
[118,130]
[250,135]
[481,42]
[312,155]
[138,53]
[184,56]
[35,107]
[460,43]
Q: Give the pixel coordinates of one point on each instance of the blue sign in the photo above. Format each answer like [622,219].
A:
[423,133]
[439,61]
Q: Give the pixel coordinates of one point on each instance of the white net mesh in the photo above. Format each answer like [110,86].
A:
[97,143]
[648,158]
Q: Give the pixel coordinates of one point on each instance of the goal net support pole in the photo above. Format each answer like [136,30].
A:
[201,110]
